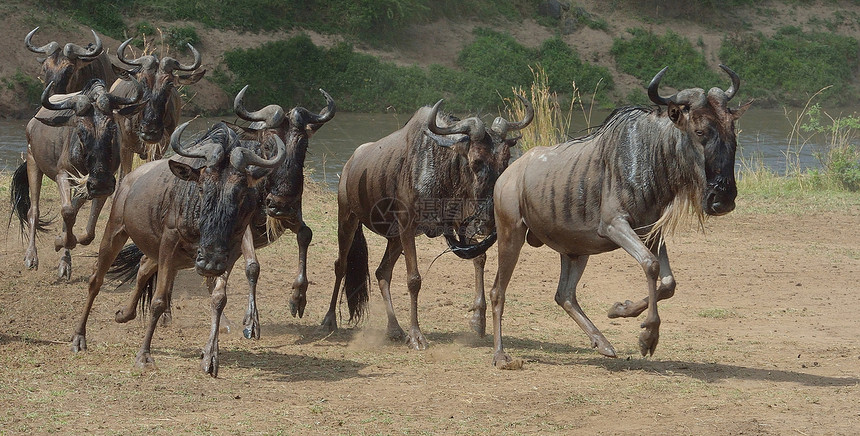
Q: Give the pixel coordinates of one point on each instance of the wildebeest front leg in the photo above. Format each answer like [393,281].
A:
[665,289]
[571,271]
[512,234]
[69,210]
[95,210]
[479,306]
[413,283]
[209,362]
[299,300]
[383,275]
[252,272]
[34,179]
[619,231]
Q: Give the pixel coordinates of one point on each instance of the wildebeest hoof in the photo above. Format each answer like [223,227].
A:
[396,334]
[144,360]
[417,341]
[31,262]
[209,364]
[166,319]
[64,269]
[479,323]
[648,341]
[121,317]
[79,343]
[252,324]
[604,348]
[297,305]
[503,361]
[329,323]
[87,239]
[620,310]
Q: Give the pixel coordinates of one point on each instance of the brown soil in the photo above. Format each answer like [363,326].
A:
[760,338]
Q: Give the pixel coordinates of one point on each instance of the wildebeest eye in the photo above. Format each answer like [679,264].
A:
[700,132]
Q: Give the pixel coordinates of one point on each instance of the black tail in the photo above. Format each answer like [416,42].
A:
[125,267]
[19,197]
[356,284]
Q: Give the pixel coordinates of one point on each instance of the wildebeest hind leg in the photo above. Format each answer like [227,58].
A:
[479,306]
[665,289]
[383,275]
[34,179]
[163,287]
[148,267]
[111,244]
[571,271]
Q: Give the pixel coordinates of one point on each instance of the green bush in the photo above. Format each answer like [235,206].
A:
[645,54]
[179,37]
[792,65]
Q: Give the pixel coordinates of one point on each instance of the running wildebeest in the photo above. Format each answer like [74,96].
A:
[156,122]
[72,66]
[625,185]
[73,136]
[283,195]
[187,211]
[422,178]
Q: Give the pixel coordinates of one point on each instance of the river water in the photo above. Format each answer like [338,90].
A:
[763,138]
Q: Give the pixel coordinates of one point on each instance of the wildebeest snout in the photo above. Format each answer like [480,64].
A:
[100,187]
[279,206]
[720,197]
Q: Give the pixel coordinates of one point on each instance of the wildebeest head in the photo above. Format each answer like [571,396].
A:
[709,123]
[60,65]
[286,182]
[486,153]
[94,146]
[226,183]
[159,78]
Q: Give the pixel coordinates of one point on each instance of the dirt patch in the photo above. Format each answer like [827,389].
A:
[760,338]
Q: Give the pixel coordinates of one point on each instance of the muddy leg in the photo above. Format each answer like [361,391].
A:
[69,211]
[209,362]
[416,338]
[665,289]
[95,209]
[479,306]
[112,242]
[346,228]
[571,271]
[252,272]
[299,300]
[620,232]
[511,237]
[148,267]
[383,275]
[34,179]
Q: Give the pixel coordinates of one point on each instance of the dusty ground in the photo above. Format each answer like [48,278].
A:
[760,338]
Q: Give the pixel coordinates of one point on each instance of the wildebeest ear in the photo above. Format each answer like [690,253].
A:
[678,113]
[121,72]
[184,171]
[55,118]
[132,109]
[188,79]
[446,141]
[41,60]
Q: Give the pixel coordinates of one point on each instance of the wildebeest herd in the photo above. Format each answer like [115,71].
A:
[626,184]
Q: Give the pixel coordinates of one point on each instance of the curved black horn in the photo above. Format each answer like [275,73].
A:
[324,116]
[653,93]
[470,251]
[122,101]
[271,115]
[120,54]
[503,126]
[197,60]
[77,102]
[736,82]
[176,145]
[242,157]
[469,126]
[73,50]
[46,49]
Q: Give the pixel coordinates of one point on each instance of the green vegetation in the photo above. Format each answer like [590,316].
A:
[359,82]
[792,65]
[645,54]
[31,86]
